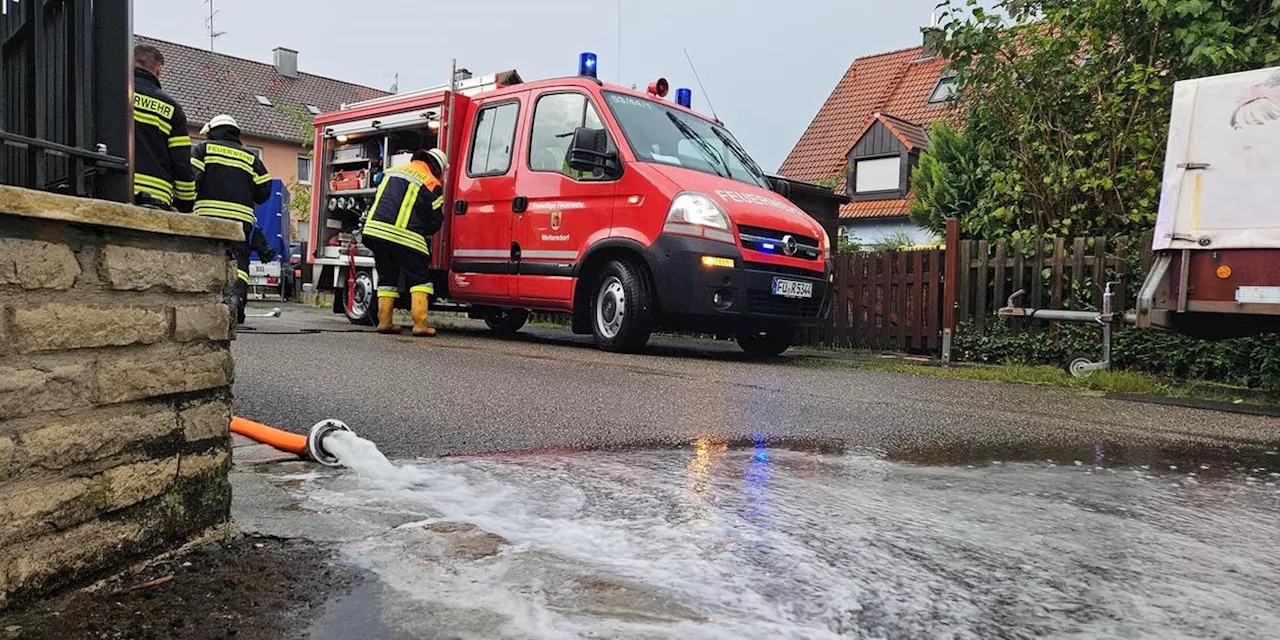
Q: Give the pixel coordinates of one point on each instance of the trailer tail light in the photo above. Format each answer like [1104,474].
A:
[659,88]
[684,98]
[587,64]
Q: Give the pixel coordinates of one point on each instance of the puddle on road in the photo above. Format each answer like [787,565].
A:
[716,541]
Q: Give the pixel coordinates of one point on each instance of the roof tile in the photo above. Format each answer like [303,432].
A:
[876,208]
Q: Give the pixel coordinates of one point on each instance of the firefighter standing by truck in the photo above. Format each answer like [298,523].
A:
[230,180]
[406,211]
[162,147]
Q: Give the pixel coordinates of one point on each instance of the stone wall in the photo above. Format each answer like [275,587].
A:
[115,377]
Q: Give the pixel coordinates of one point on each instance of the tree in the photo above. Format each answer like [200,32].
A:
[948,182]
[1067,102]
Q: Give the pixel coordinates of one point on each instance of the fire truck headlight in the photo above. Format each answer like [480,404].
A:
[698,210]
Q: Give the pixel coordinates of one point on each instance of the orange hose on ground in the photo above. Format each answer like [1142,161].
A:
[282,440]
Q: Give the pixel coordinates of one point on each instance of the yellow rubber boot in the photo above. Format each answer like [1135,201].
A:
[386,316]
[421,300]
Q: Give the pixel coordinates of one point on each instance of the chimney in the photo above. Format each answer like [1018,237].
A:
[286,62]
[933,37]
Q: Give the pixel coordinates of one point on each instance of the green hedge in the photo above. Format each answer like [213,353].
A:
[1246,362]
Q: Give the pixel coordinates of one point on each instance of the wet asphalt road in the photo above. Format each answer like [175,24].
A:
[690,493]
[467,392]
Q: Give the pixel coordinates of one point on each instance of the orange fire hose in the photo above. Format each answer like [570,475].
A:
[282,440]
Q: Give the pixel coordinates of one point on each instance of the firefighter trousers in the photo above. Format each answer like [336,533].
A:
[399,266]
[239,252]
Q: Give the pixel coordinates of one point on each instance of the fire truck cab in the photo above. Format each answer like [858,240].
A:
[625,210]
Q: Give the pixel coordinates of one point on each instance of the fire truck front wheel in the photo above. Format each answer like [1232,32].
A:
[621,308]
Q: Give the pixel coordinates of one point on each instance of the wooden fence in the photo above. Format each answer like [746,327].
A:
[1055,273]
[898,300]
[885,300]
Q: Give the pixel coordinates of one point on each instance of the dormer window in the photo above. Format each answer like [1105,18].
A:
[944,91]
[877,174]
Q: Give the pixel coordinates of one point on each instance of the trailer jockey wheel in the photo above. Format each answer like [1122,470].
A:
[1080,365]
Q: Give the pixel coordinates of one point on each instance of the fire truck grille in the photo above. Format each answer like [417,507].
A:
[771,241]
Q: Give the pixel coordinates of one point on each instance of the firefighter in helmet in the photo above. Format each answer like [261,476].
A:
[406,212]
[230,180]
[162,145]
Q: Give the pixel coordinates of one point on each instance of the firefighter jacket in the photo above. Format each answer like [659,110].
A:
[162,146]
[230,179]
[408,207]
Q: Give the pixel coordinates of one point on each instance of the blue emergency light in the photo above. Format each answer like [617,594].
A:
[684,98]
[587,64]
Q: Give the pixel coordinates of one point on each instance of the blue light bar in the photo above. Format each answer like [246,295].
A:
[587,64]
[768,246]
[684,98]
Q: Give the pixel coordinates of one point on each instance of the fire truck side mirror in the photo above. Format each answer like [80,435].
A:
[590,152]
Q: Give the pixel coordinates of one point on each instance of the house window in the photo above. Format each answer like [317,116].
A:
[945,90]
[304,169]
[257,151]
[313,110]
[878,174]
[262,100]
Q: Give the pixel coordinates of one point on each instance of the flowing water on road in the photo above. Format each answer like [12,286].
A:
[717,541]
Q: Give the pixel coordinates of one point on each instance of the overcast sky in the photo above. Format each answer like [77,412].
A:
[767,64]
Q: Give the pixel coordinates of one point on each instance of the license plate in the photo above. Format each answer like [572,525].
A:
[792,288]
[264,269]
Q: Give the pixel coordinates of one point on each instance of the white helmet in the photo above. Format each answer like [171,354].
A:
[221,120]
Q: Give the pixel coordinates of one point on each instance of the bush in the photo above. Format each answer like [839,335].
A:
[1248,362]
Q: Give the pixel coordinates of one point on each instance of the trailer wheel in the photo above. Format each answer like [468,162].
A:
[505,321]
[621,309]
[364,309]
[766,344]
[1078,365]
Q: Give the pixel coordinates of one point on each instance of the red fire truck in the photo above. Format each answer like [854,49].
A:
[622,208]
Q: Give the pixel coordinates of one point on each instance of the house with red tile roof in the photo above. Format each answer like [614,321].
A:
[868,136]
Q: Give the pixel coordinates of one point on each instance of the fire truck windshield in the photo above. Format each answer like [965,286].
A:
[663,134]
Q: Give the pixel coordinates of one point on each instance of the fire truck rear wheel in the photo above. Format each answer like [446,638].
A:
[621,308]
[505,321]
[364,311]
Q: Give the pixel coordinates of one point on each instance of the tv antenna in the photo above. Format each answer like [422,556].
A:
[700,87]
[214,34]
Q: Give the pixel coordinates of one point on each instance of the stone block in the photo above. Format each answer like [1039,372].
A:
[59,326]
[138,269]
[157,374]
[206,420]
[132,483]
[34,564]
[193,466]
[35,264]
[26,390]
[6,457]
[93,435]
[30,508]
[202,322]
